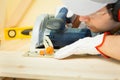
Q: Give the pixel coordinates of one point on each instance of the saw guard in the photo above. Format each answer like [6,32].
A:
[38,32]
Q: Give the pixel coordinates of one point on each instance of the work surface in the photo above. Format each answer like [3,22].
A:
[14,64]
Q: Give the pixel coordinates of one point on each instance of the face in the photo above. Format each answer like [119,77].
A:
[100,21]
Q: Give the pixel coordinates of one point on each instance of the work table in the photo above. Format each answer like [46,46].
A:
[14,64]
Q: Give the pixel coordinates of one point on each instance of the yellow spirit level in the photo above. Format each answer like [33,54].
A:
[17,33]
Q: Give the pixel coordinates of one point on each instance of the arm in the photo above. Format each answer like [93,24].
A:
[111,46]
[104,44]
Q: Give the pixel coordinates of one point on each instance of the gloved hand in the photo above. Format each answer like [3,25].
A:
[88,45]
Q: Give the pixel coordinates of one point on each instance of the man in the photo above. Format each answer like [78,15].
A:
[100,16]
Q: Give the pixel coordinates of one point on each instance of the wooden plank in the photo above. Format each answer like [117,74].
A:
[1,78]
[2,13]
[8,78]
[19,13]
[13,64]
[15,45]
[2,18]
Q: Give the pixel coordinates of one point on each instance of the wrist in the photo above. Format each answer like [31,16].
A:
[100,47]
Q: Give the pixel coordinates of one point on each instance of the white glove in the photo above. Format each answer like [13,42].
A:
[88,45]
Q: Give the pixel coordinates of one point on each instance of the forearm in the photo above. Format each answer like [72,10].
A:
[104,44]
[111,47]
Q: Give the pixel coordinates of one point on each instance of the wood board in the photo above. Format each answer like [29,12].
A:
[14,64]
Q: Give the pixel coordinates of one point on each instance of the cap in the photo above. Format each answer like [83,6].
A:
[86,7]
